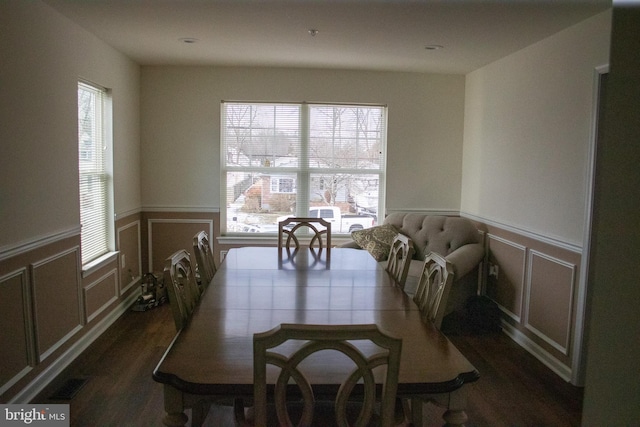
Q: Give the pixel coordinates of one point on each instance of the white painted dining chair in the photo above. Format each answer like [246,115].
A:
[273,348]
[431,298]
[318,230]
[433,288]
[204,258]
[184,293]
[182,290]
[400,255]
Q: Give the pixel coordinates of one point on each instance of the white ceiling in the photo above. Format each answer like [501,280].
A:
[352,34]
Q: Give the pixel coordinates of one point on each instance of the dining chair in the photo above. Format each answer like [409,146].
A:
[204,258]
[317,229]
[184,293]
[431,298]
[433,288]
[182,290]
[400,255]
[295,344]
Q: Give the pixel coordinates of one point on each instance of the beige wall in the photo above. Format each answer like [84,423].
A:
[50,311]
[527,141]
[527,127]
[43,55]
[181,128]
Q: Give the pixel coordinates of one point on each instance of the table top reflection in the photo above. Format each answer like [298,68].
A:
[254,291]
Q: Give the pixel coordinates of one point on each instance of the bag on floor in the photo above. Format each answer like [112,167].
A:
[482,315]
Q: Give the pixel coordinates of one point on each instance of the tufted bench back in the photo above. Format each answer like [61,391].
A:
[434,233]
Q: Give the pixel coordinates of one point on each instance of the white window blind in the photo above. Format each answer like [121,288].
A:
[282,159]
[92,171]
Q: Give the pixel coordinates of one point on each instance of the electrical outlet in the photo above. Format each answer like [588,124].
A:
[123,262]
[494,270]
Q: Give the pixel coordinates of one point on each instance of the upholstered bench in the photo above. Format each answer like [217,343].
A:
[455,238]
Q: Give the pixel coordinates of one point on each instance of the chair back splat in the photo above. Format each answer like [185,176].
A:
[433,288]
[317,229]
[204,257]
[365,345]
[431,298]
[402,251]
[182,289]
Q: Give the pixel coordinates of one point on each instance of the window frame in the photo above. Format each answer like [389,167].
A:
[303,172]
[97,227]
[278,181]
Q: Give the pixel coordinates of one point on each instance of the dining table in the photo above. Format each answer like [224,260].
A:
[258,288]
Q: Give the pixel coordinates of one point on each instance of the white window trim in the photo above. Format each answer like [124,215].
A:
[302,200]
[98,260]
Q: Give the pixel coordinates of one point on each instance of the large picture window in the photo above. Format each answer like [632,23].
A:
[283,160]
[93,156]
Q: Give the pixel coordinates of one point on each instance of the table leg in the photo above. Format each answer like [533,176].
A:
[416,412]
[455,414]
[454,417]
[199,411]
[455,403]
[174,407]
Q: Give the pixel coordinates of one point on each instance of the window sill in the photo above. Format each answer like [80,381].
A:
[93,266]
[250,240]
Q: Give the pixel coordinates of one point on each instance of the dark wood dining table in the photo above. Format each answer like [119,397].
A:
[258,288]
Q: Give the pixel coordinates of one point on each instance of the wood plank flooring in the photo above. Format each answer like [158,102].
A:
[514,389]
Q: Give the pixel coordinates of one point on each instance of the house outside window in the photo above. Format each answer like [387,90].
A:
[283,160]
[94,166]
[282,185]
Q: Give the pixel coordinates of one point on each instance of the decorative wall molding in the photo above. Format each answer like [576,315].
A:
[91,267]
[564,346]
[523,249]
[91,316]
[189,209]
[27,327]
[134,279]
[9,251]
[538,352]
[445,212]
[28,393]
[42,354]
[546,326]
[152,221]
[526,233]
[122,215]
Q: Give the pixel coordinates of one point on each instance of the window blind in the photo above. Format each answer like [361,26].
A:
[281,159]
[92,172]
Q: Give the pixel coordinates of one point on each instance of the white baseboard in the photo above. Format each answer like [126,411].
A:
[27,394]
[538,352]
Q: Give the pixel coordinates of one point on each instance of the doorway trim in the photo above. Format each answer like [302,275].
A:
[581,328]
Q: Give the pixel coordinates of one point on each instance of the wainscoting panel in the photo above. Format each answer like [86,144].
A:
[50,310]
[536,289]
[16,341]
[130,254]
[508,288]
[167,235]
[58,307]
[551,286]
[100,294]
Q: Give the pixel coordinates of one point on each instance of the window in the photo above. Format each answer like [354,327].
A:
[281,160]
[282,185]
[94,151]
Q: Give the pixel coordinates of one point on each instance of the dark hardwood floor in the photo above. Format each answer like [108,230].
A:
[514,389]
